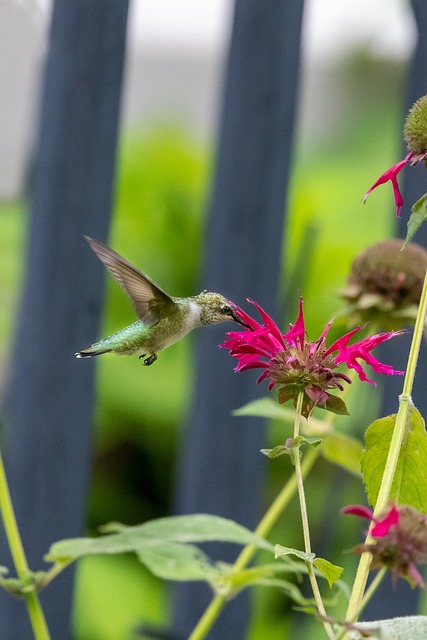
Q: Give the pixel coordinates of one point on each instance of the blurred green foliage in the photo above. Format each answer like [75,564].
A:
[112,595]
[163,187]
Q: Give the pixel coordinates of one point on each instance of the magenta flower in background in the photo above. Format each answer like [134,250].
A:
[400,540]
[294,364]
[415,134]
[381,527]
[391,174]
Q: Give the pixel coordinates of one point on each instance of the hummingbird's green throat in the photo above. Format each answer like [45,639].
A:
[162,319]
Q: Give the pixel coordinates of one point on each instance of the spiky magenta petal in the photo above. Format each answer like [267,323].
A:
[382,527]
[349,354]
[391,174]
[358,510]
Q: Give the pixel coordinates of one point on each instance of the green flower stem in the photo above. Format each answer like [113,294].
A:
[405,405]
[35,611]
[416,341]
[368,595]
[263,529]
[276,509]
[52,573]
[305,526]
[372,588]
[208,618]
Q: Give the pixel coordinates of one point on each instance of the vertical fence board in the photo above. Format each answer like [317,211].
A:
[222,469]
[48,406]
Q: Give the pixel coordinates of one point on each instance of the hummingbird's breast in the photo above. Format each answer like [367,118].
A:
[140,338]
[168,330]
[175,326]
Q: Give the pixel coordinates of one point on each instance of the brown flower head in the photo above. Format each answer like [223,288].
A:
[385,284]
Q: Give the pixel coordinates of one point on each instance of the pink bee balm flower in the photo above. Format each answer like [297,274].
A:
[294,364]
[391,174]
[400,540]
[415,134]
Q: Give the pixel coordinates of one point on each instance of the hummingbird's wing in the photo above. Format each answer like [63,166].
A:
[147,298]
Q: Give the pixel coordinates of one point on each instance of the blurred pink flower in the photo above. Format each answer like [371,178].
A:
[415,134]
[391,174]
[400,540]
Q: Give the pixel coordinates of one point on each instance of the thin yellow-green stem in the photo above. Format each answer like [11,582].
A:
[416,341]
[403,414]
[208,618]
[305,525]
[298,475]
[372,588]
[35,611]
[368,595]
[277,507]
[52,573]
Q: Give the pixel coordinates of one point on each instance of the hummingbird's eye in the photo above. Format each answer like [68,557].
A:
[226,310]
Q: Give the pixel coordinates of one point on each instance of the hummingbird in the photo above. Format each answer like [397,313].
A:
[162,319]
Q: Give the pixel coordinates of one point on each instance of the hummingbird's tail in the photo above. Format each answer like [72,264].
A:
[91,351]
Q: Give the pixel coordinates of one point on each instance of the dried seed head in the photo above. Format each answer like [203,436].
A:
[385,284]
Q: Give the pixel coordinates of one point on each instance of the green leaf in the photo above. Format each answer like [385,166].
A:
[280,551]
[330,571]
[410,481]
[268,570]
[266,408]
[271,409]
[416,219]
[175,561]
[343,450]
[335,404]
[183,529]
[312,442]
[290,445]
[406,628]
[259,574]
[289,588]
[280,450]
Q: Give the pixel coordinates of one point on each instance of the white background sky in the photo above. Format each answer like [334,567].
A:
[331,26]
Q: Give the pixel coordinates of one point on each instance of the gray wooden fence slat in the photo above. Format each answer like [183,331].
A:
[221,467]
[48,407]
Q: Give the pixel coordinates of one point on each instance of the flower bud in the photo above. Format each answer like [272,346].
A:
[415,129]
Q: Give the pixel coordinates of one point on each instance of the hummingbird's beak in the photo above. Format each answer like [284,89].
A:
[239,321]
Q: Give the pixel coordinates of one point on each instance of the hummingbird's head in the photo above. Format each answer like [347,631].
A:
[215,308]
